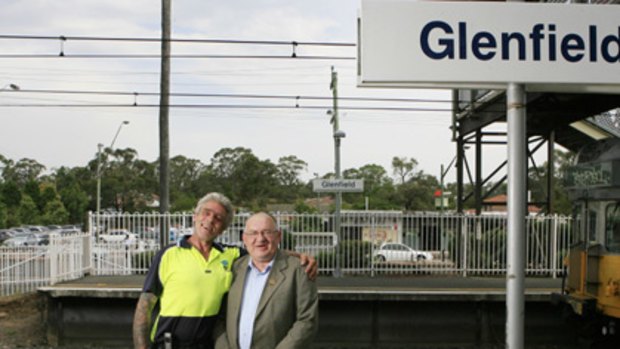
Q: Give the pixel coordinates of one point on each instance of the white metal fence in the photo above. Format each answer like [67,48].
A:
[24,269]
[428,243]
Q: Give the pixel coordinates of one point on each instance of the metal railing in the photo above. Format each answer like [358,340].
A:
[421,243]
[24,269]
[369,243]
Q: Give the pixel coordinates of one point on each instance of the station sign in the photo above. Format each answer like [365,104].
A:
[338,185]
[436,44]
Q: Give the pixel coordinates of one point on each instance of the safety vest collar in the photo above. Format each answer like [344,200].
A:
[184,243]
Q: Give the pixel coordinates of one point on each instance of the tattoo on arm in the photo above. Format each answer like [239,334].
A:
[142,320]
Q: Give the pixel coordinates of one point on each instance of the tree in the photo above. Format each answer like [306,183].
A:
[538,182]
[289,169]
[31,188]
[184,172]
[27,211]
[403,167]
[417,194]
[4,215]
[54,213]
[23,171]
[226,160]
[127,182]
[11,195]
[378,187]
[246,179]
[290,186]
[75,201]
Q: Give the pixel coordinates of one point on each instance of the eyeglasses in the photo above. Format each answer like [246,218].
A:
[205,212]
[266,233]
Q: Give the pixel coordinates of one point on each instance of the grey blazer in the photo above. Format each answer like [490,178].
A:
[288,311]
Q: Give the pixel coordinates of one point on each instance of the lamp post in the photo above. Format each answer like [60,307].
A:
[99,170]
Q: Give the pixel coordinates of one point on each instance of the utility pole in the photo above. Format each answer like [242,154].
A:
[164,138]
[337,136]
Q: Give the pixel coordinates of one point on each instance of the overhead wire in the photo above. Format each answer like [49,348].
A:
[159,40]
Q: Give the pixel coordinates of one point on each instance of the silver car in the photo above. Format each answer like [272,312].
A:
[393,251]
[22,239]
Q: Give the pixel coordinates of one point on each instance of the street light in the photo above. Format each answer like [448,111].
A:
[99,170]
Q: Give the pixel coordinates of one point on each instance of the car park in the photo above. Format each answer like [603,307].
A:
[393,251]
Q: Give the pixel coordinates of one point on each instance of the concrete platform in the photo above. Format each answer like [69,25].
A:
[345,288]
[355,312]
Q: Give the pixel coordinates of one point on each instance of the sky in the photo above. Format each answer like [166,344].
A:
[68,135]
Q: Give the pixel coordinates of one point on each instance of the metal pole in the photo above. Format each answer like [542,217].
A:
[164,138]
[337,136]
[441,175]
[515,278]
[98,204]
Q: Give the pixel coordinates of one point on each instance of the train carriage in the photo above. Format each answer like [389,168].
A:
[592,287]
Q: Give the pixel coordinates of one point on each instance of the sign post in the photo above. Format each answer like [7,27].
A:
[337,186]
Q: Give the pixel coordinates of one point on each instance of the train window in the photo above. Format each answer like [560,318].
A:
[612,227]
[591,225]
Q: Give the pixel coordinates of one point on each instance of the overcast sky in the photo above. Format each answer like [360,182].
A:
[68,136]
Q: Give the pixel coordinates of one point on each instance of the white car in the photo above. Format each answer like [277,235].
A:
[392,251]
[117,235]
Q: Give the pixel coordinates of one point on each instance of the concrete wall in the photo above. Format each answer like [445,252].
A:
[356,324]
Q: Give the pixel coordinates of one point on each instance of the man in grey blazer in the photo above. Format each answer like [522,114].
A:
[271,303]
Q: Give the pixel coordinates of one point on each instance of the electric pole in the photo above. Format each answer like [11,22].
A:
[337,136]
[164,138]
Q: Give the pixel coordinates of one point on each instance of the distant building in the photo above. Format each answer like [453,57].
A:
[498,204]
[321,204]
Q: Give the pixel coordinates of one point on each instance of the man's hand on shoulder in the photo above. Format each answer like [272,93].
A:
[312,267]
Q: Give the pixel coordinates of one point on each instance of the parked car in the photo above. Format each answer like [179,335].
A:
[117,235]
[5,234]
[22,239]
[393,251]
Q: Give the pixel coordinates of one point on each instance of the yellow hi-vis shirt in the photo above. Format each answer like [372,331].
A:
[190,290]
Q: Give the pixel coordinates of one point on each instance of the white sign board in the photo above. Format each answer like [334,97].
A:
[338,185]
[548,47]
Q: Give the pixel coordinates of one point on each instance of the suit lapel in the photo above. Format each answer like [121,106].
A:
[276,278]
[236,293]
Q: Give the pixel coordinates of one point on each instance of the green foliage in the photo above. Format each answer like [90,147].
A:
[302,207]
[28,211]
[54,213]
[4,214]
[182,202]
[129,183]
[11,195]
